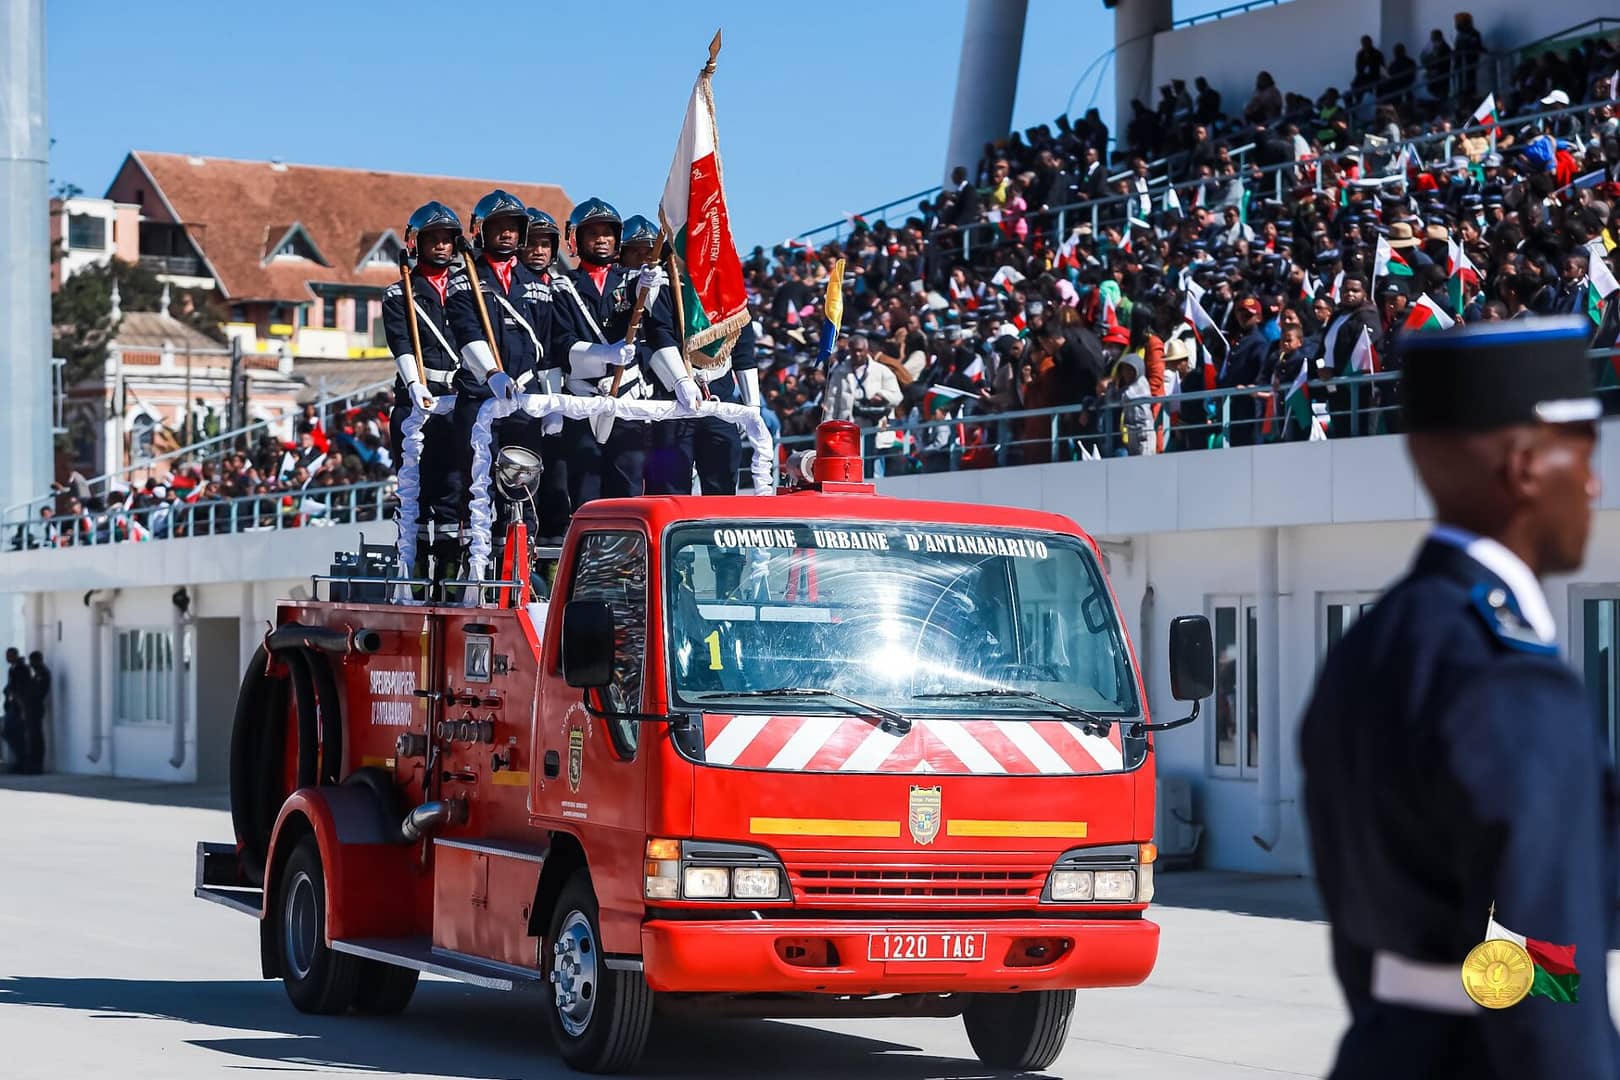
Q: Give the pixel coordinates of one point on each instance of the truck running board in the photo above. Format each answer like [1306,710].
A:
[219,880]
[419,953]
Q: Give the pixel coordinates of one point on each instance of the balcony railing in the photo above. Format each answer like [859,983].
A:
[182,265]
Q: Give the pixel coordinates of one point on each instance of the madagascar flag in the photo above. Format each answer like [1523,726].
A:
[1424,315]
[1556,976]
[693,213]
[1387,262]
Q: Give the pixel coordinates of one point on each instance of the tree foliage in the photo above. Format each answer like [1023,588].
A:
[81,312]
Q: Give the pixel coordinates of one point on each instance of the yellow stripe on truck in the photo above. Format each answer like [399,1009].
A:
[1074,830]
[783,826]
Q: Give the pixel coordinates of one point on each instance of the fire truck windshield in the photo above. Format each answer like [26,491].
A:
[911,619]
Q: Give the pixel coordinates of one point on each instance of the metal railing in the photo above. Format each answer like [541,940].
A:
[346,504]
[186,265]
[204,451]
[877,213]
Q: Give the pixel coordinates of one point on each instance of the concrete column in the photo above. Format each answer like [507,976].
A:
[25,304]
[986,78]
[1135,23]
[1269,794]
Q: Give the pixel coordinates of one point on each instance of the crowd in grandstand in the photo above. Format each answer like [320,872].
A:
[1411,199]
[308,479]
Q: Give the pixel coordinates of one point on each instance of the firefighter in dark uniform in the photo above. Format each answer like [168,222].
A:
[639,242]
[540,256]
[594,303]
[433,232]
[1452,761]
[520,314]
[708,444]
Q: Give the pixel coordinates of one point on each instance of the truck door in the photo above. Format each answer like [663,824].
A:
[598,792]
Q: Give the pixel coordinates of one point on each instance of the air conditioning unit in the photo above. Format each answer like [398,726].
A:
[1176,832]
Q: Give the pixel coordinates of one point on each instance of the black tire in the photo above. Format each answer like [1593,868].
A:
[1023,1032]
[604,1027]
[317,979]
[383,989]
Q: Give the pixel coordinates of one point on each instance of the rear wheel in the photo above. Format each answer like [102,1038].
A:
[383,989]
[599,1018]
[317,979]
[1024,1032]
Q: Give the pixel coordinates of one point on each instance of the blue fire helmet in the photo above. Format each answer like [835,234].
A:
[499,203]
[541,223]
[638,230]
[594,209]
[431,215]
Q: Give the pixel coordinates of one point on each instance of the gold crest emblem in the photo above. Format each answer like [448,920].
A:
[925,815]
[576,757]
[1497,973]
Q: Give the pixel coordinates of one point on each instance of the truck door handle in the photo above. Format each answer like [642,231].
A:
[553,765]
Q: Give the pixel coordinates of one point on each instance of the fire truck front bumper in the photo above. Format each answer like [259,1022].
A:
[858,956]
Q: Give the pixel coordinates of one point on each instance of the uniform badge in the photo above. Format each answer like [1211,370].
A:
[925,813]
[576,758]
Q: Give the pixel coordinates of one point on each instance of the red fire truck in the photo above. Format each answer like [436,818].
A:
[819,754]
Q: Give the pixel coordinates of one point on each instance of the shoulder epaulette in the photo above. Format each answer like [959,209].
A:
[1495,605]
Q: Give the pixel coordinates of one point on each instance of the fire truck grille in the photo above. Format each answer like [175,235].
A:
[878,882]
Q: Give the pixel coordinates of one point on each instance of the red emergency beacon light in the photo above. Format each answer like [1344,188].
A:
[838,452]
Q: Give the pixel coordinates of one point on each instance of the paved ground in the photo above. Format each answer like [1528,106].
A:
[109,968]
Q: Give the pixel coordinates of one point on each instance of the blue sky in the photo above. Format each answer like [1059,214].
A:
[824,107]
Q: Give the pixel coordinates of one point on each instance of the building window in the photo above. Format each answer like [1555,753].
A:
[145,690]
[1336,612]
[612,567]
[329,312]
[362,315]
[1235,733]
[86,232]
[1596,613]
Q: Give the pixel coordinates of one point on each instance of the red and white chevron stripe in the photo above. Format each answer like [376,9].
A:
[850,744]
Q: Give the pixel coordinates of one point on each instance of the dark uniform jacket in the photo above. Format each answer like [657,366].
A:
[432,326]
[1452,761]
[521,316]
[585,313]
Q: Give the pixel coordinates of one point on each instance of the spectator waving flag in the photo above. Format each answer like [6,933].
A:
[832,311]
[1600,280]
[1298,403]
[1462,276]
[1006,278]
[693,212]
[1364,358]
[1486,114]
[1426,315]
[1172,201]
[1388,262]
[940,396]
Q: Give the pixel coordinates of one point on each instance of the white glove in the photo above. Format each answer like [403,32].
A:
[500,384]
[624,355]
[420,396]
[651,280]
[592,361]
[687,392]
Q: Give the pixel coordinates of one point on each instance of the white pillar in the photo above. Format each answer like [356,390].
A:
[1269,823]
[986,79]
[1135,23]
[25,290]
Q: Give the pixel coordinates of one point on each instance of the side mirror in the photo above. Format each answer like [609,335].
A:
[587,644]
[1192,658]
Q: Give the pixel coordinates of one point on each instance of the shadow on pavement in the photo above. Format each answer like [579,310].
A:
[116,789]
[456,1031]
[1271,896]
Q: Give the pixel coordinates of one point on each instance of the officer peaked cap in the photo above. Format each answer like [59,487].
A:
[1496,375]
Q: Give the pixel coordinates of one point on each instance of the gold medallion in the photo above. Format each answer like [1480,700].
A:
[1497,973]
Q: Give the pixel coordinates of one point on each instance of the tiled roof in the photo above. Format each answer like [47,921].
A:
[151,330]
[237,210]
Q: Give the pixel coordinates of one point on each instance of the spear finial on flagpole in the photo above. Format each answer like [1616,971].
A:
[714,54]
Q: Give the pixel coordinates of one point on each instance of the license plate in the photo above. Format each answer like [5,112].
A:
[950,947]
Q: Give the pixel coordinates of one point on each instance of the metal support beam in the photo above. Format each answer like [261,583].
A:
[986,79]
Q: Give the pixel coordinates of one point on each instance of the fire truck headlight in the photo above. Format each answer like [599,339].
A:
[1144,883]
[1071,885]
[1115,885]
[756,883]
[706,883]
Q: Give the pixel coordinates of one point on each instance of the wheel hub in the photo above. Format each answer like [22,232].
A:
[573,973]
[299,925]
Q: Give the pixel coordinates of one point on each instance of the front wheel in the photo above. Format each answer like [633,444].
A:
[599,1018]
[1023,1032]
[317,979]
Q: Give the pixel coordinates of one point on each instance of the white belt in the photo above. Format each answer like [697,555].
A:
[1418,985]
[713,372]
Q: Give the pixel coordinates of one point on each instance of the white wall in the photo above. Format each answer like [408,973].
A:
[1309,45]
